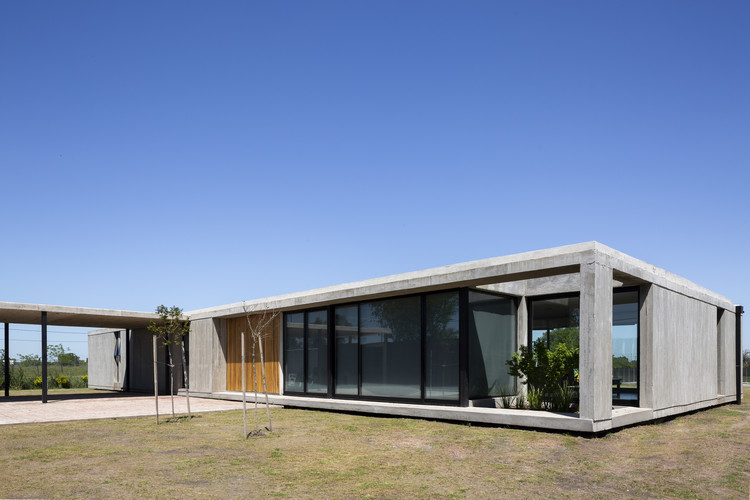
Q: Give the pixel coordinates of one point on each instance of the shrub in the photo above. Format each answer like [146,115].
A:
[38,382]
[563,398]
[85,379]
[536,400]
[544,370]
[63,382]
[506,401]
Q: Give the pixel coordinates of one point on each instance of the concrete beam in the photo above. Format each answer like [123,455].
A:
[15,312]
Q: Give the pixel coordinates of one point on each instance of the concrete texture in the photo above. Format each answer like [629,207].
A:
[512,268]
[14,312]
[595,361]
[208,344]
[104,371]
[684,350]
[25,411]
[725,346]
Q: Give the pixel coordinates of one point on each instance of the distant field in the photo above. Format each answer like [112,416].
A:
[315,454]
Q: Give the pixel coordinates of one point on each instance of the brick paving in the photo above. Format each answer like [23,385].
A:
[27,409]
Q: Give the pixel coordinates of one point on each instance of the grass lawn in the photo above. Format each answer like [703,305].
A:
[317,454]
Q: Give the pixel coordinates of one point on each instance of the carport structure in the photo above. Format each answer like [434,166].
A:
[44,315]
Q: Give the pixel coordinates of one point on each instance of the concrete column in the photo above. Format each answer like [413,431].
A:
[219,339]
[595,365]
[522,332]
[646,355]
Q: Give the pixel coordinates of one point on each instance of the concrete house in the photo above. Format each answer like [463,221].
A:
[434,343]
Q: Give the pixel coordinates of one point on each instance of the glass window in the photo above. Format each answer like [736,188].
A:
[317,351]
[556,320]
[294,345]
[441,346]
[625,346]
[390,337]
[492,341]
[347,350]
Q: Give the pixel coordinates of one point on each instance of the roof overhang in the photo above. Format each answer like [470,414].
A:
[14,312]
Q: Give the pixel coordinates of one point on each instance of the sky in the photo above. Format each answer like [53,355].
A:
[202,153]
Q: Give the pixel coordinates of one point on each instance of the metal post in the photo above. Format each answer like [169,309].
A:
[244,398]
[738,310]
[7,360]
[44,356]
[156,383]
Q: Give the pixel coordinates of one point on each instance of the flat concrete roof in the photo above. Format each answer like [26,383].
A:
[528,265]
[15,312]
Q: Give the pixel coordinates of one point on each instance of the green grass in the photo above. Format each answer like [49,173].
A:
[316,454]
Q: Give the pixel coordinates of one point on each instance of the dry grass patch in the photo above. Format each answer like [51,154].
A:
[315,454]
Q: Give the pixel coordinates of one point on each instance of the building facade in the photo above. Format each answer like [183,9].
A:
[435,343]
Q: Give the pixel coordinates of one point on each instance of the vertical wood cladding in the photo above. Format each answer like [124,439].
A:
[270,351]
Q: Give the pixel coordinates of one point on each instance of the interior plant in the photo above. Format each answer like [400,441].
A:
[545,371]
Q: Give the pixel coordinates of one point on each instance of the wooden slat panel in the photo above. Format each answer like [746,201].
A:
[270,351]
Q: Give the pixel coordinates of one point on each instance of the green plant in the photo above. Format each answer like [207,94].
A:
[543,369]
[38,382]
[563,398]
[170,330]
[63,382]
[521,400]
[85,379]
[506,401]
[536,399]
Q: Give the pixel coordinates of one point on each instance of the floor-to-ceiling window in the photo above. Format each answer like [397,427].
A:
[404,348]
[294,352]
[346,320]
[441,346]
[492,342]
[625,346]
[554,320]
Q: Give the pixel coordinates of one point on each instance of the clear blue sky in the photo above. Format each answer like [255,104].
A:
[201,153]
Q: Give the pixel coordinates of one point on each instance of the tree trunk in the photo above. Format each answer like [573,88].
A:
[265,388]
[255,387]
[171,378]
[244,399]
[185,375]
[156,384]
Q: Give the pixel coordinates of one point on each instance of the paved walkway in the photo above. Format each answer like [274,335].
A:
[26,410]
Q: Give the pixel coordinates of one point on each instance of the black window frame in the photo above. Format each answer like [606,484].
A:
[463,349]
[637,401]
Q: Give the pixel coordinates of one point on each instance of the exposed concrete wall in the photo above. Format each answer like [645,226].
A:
[142,363]
[647,356]
[725,353]
[684,350]
[595,365]
[208,361]
[104,371]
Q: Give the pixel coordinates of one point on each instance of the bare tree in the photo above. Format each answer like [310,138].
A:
[170,331]
[258,323]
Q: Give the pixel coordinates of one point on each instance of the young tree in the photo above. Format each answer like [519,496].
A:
[258,323]
[56,353]
[171,330]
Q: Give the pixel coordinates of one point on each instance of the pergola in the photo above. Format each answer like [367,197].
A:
[42,314]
